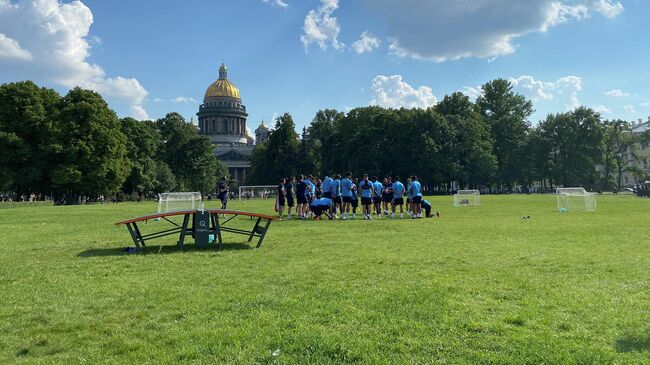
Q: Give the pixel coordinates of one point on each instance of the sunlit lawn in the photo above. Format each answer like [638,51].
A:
[480,285]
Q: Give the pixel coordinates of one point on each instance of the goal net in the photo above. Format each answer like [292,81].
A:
[467,198]
[257,192]
[171,202]
[570,199]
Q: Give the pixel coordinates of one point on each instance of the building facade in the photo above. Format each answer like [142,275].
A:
[222,118]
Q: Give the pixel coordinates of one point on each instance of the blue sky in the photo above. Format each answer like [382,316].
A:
[152,57]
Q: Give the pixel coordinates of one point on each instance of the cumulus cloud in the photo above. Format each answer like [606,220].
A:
[442,30]
[366,43]
[9,48]
[184,100]
[393,92]
[321,27]
[473,92]
[277,3]
[602,109]
[616,93]
[50,43]
[629,109]
[565,89]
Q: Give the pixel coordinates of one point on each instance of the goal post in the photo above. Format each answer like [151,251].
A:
[257,192]
[171,202]
[571,199]
[467,198]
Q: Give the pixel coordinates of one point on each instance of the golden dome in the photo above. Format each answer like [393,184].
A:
[222,87]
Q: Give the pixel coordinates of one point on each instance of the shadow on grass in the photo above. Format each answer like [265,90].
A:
[164,250]
[634,343]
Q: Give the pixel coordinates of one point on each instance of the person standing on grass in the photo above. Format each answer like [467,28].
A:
[387,194]
[335,190]
[281,197]
[409,210]
[327,182]
[301,196]
[416,197]
[288,188]
[223,190]
[377,189]
[367,191]
[319,189]
[354,188]
[346,195]
[398,197]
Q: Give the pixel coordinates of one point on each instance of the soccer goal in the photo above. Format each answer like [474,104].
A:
[467,198]
[257,192]
[570,199]
[171,202]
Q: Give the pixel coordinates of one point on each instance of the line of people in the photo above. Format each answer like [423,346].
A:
[338,197]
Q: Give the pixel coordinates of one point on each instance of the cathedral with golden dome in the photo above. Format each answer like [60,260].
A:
[222,118]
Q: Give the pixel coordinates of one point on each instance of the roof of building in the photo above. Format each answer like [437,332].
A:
[261,128]
[222,87]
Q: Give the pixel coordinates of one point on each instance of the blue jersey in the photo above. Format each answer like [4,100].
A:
[354,191]
[326,184]
[426,204]
[377,188]
[346,187]
[366,188]
[398,190]
[416,189]
[335,187]
[322,202]
[310,187]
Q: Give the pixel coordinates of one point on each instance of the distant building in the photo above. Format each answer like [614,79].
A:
[643,153]
[222,118]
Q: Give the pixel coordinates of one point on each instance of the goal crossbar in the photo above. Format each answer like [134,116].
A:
[252,189]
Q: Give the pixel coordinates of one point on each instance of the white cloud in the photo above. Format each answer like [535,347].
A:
[473,92]
[392,92]
[629,109]
[645,104]
[277,3]
[56,36]
[442,30]
[184,100]
[608,8]
[9,48]
[321,27]
[138,112]
[565,89]
[366,43]
[602,109]
[616,93]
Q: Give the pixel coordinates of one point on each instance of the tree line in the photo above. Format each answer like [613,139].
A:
[73,145]
[489,143]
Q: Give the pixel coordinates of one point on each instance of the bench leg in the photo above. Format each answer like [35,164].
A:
[181,238]
[257,224]
[263,233]
[217,230]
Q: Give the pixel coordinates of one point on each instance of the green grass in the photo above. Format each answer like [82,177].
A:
[479,286]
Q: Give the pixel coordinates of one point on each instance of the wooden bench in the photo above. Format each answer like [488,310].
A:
[198,228]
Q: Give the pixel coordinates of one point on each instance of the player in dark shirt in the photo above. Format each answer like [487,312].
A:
[281,197]
[288,189]
[222,192]
[301,197]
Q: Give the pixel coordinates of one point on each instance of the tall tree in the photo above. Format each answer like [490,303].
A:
[320,138]
[507,115]
[93,159]
[278,157]
[621,147]
[143,143]
[28,121]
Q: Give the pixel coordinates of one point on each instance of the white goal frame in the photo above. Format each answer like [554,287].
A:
[467,198]
[575,198]
[271,188]
[173,202]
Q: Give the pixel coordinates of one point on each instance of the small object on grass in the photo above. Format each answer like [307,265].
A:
[525,217]
[129,249]
[276,352]
[563,210]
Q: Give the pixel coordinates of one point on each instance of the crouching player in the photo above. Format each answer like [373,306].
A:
[320,206]
[427,210]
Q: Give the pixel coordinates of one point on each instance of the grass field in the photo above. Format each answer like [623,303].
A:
[478,286]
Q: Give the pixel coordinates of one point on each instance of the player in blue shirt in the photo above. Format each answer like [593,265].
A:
[415,191]
[346,194]
[354,189]
[320,206]
[408,196]
[387,194]
[398,197]
[377,189]
[335,190]
[326,187]
[367,192]
[427,209]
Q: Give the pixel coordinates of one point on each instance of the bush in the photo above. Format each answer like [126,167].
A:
[10,205]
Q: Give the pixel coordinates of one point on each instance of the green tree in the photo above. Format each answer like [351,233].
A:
[507,115]
[93,159]
[28,122]
[320,138]
[620,148]
[165,179]
[143,143]
[278,157]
